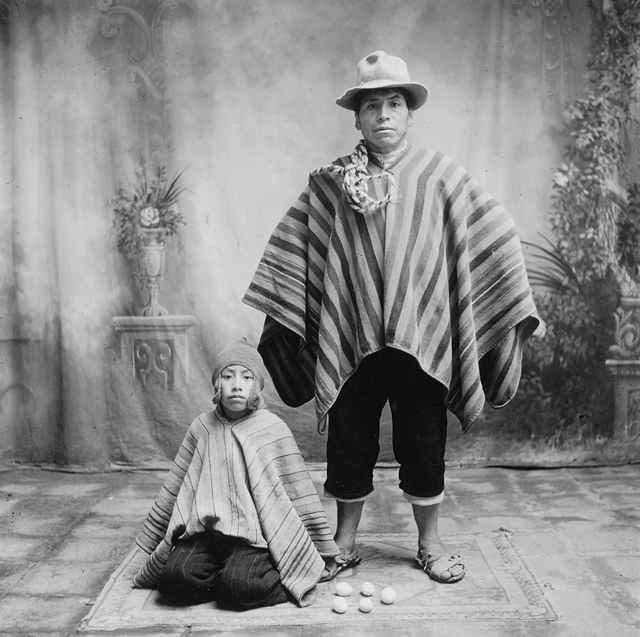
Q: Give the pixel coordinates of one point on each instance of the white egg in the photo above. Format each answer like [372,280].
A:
[340,605]
[368,589]
[388,595]
[343,589]
[366,605]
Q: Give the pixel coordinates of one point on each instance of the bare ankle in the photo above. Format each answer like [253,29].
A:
[431,544]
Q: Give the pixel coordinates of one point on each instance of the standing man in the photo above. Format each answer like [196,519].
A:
[394,277]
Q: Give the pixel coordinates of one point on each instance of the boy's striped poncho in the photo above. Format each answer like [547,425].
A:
[290,514]
[437,273]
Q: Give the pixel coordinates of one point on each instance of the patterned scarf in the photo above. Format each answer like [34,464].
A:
[354,180]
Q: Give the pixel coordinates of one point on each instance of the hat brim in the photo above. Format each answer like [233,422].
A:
[418,92]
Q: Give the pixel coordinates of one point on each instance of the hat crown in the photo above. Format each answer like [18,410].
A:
[379,66]
[379,70]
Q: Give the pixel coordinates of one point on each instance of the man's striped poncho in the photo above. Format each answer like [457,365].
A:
[289,512]
[437,273]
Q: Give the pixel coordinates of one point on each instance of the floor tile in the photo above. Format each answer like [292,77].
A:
[56,578]
[30,613]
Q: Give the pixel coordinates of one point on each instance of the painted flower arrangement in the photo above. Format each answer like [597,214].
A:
[146,213]
[149,207]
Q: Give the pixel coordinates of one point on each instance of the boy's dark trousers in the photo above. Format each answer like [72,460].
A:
[212,566]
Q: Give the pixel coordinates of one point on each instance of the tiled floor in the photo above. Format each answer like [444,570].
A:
[62,534]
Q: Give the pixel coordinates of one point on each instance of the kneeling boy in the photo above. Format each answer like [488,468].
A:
[238,519]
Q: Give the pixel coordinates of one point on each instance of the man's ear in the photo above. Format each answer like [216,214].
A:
[410,118]
[357,122]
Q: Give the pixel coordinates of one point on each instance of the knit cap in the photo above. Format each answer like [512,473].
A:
[247,356]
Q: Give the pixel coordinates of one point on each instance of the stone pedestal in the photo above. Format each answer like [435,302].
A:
[154,348]
[625,367]
[626,392]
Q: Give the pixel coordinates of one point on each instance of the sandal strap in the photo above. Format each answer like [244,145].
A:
[342,564]
[423,559]
[345,562]
[452,560]
[427,559]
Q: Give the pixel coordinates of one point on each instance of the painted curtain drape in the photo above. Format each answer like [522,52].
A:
[240,94]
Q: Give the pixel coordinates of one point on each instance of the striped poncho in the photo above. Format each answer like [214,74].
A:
[258,454]
[438,273]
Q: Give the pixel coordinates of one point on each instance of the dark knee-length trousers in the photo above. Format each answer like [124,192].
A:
[419,427]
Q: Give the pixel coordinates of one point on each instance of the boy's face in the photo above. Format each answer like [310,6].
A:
[236,382]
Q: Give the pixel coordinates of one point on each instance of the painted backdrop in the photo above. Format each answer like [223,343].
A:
[240,95]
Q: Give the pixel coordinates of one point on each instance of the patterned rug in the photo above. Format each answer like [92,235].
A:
[499,586]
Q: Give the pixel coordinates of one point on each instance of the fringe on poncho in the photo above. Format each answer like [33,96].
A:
[437,273]
[290,513]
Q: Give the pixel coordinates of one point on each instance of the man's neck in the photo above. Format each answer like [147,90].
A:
[386,159]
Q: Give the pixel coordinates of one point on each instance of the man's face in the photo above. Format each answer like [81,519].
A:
[383,119]
[236,382]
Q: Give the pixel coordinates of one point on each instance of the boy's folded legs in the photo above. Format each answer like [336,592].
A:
[193,568]
[211,566]
[250,579]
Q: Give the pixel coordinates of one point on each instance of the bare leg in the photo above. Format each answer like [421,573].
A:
[426,518]
[429,541]
[349,514]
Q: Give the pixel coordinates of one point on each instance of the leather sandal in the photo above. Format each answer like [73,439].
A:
[437,567]
[342,564]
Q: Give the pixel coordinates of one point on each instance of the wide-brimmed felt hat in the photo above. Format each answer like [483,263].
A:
[379,70]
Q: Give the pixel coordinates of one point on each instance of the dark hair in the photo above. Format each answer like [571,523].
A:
[360,96]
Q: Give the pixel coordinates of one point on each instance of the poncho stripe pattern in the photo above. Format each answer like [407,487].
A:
[290,514]
[438,273]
